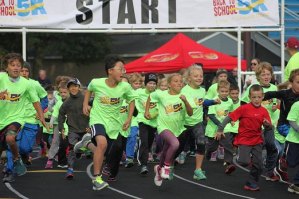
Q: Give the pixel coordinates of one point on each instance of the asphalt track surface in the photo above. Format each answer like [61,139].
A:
[39,183]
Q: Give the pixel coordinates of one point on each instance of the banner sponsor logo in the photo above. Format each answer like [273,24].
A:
[235,7]
[22,8]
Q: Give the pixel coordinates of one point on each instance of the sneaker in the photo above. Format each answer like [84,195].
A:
[213,156]
[99,184]
[199,175]
[8,177]
[150,157]
[49,164]
[19,167]
[182,158]
[293,189]
[192,154]
[272,177]
[82,143]
[106,170]
[220,153]
[282,164]
[111,179]
[165,172]
[62,166]
[171,174]
[129,163]
[229,169]
[69,174]
[283,176]
[251,186]
[143,170]
[158,179]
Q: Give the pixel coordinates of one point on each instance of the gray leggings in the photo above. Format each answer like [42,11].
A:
[55,143]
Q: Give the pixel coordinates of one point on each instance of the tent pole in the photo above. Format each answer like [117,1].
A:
[239,60]
[24,43]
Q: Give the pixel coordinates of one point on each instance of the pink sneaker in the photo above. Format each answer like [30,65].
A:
[165,171]
[158,179]
[49,164]
[213,156]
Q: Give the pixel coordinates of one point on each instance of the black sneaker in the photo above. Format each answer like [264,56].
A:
[8,177]
[143,170]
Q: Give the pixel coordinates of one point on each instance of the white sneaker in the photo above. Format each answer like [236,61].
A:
[82,143]
[158,180]
[165,171]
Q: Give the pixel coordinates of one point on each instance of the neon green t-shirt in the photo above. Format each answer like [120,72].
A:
[55,114]
[293,115]
[107,103]
[47,115]
[268,103]
[123,117]
[13,106]
[212,91]
[292,65]
[233,128]
[172,112]
[30,112]
[140,105]
[196,99]
[220,111]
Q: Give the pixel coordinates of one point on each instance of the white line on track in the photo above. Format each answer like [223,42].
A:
[8,185]
[111,188]
[212,188]
[247,170]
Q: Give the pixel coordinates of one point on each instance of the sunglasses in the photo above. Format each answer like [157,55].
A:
[254,64]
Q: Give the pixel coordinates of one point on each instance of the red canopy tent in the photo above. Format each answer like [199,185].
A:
[181,52]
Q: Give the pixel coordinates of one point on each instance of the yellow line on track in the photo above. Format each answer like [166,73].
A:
[51,171]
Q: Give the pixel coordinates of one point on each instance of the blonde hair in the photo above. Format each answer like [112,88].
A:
[223,84]
[192,68]
[169,78]
[263,66]
[134,77]
[161,81]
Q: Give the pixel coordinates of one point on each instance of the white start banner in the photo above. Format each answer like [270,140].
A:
[135,14]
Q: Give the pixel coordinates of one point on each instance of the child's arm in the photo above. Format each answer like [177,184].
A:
[294,125]
[274,94]
[208,102]
[130,115]
[188,107]
[221,127]
[147,115]
[61,118]
[86,107]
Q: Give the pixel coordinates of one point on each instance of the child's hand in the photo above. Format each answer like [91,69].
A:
[86,110]
[3,94]
[147,115]
[219,135]
[232,123]
[183,98]
[62,134]
[266,122]
[127,124]
[217,101]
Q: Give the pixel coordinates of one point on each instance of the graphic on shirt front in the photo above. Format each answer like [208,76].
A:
[173,108]
[198,101]
[124,109]
[109,101]
[11,97]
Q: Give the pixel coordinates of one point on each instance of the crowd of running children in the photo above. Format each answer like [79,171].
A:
[108,116]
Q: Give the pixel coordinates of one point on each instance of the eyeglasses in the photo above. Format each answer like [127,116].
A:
[123,70]
[254,64]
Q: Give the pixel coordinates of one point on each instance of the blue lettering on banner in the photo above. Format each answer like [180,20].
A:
[33,7]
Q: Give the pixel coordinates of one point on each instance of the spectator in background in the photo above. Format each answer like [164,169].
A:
[292,46]
[233,77]
[251,79]
[42,78]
